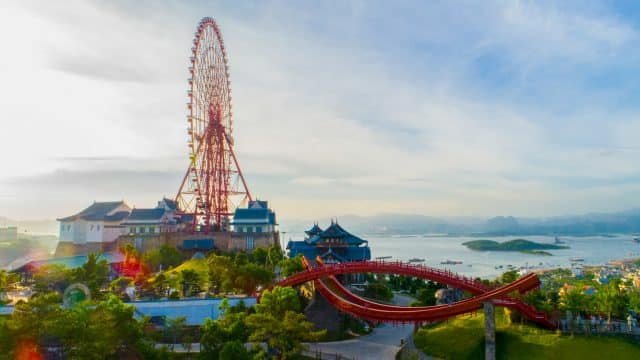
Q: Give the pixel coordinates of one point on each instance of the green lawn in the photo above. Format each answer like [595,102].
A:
[198,265]
[463,338]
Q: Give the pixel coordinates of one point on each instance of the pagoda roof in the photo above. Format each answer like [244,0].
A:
[98,211]
[315,230]
[335,231]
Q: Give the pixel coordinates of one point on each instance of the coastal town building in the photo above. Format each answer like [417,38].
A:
[332,245]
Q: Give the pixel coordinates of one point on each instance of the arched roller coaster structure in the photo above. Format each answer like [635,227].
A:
[323,277]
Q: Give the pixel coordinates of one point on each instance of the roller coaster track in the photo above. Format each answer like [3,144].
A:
[329,287]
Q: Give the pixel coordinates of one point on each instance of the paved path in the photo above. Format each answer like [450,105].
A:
[382,343]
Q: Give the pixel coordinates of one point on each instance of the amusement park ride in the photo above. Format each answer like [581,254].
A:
[213,185]
[324,280]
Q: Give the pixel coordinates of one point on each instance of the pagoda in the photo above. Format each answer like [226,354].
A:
[332,245]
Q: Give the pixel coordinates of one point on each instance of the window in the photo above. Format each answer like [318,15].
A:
[91,227]
[258,229]
[250,243]
[141,230]
[132,230]
[250,229]
[98,228]
[68,227]
[152,229]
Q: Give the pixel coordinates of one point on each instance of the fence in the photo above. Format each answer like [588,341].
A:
[594,328]
[321,355]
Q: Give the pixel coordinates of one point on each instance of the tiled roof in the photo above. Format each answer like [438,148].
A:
[335,231]
[146,214]
[256,204]
[315,230]
[95,212]
[120,215]
[171,204]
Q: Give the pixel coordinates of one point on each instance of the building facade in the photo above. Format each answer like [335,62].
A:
[106,226]
[99,223]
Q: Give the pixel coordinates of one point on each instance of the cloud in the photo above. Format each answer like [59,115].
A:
[470,109]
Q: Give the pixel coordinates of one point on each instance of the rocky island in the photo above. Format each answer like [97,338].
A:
[520,245]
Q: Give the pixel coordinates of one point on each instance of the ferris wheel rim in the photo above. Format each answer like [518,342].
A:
[199,90]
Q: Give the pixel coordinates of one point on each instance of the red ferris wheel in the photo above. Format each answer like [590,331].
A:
[214,185]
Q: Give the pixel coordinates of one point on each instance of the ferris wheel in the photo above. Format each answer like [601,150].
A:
[213,185]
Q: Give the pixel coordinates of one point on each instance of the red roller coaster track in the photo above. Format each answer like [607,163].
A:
[329,287]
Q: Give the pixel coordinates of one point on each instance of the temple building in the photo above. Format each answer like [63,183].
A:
[333,245]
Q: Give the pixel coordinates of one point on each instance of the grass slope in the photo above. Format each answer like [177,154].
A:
[463,338]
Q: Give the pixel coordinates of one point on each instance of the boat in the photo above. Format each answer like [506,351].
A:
[576,259]
[451,262]
[383,257]
[636,240]
[412,260]
[557,241]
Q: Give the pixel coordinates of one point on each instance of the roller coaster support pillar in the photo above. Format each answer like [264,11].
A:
[489,331]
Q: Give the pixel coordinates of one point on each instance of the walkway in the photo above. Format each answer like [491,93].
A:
[382,343]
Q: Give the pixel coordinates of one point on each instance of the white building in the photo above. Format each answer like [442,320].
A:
[99,223]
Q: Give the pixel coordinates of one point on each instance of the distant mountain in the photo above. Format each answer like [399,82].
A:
[625,222]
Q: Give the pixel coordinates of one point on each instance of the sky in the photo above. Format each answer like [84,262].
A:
[441,108]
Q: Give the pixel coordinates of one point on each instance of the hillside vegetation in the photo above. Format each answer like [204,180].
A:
[511,245]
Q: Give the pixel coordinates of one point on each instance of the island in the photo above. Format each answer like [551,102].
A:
[520,245]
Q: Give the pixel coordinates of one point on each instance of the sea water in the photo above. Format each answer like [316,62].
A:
[595,250]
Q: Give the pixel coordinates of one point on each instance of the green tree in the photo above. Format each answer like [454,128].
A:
[240,258]
[169,257]
[509,277]
[278,301]
[7,279]
[611,300]
[378,291]
[291,266]
[634,300]
[233,350]
[190,282]
[574,300]
[274,255]
[221,270]
[283,335]
[92,273]
[51,277]
[160,285]
[259,256]
[32,320]
[100,330]
[250,276]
